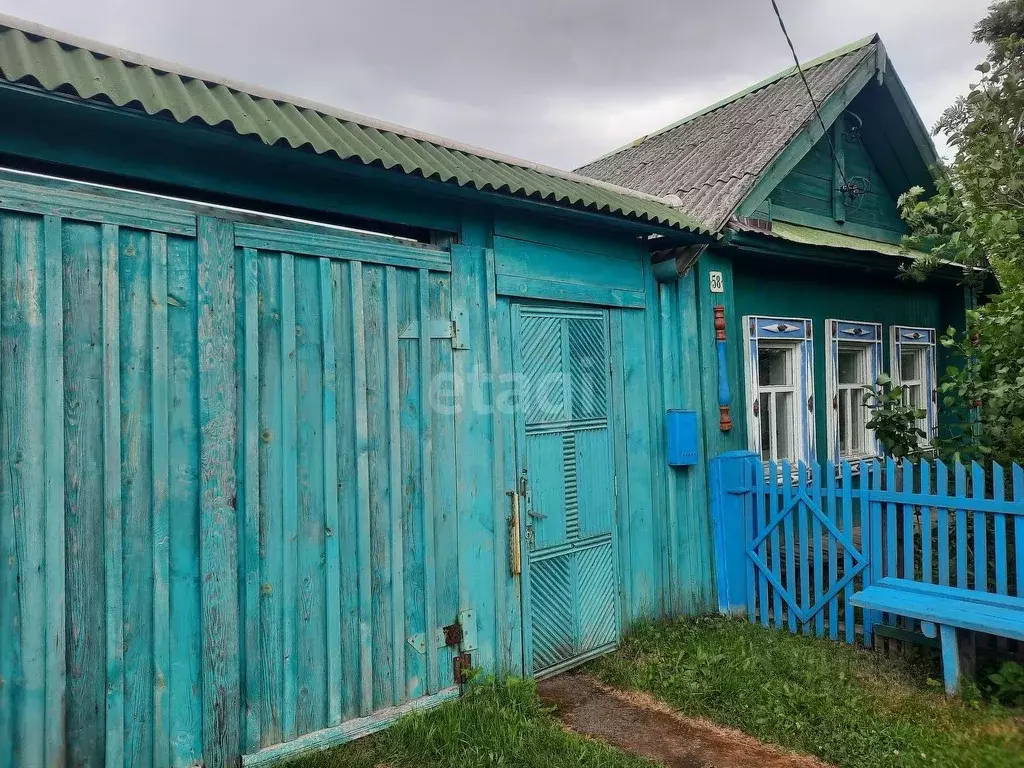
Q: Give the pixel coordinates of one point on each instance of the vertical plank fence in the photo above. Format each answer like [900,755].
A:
[805,538]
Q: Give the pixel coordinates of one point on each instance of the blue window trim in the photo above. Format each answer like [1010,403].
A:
[798,332]
[917,338]
[842,332]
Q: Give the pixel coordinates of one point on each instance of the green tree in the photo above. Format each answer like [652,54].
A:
[974,218]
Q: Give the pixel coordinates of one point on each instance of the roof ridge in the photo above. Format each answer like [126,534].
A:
[132,58]
[783,74]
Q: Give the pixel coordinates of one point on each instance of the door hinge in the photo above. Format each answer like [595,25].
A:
[457,342]
[462,666]
[453,634]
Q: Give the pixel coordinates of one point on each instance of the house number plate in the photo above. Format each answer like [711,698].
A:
[717,283]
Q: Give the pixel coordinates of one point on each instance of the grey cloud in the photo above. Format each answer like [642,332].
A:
[557,81]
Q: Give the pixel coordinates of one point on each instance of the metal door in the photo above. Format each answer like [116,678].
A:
[564,458]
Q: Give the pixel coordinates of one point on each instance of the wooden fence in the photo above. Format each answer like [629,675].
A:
[795,542]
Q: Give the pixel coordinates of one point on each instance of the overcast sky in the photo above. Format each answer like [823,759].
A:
[554,81]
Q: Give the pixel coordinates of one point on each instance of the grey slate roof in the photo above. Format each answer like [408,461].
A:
[713,158]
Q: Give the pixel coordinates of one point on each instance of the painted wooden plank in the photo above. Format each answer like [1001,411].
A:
[980,530]
[9,651]
[815,549]
[375,301]
[348,488]
[73,201]
[160,494]
[53,501]
[507,605]
[186,650]
[844,521]
[942,521]
[786,473]
[907,512]
[475,438]
[550,263]
[362,489]
[870,536]
[136,492]
[926,522]
[25,486]
[891,550]
[960,483]
[999,521]
[1018,528]
[397,537]
[352,246]
[757,585]
[250,467]
[426,483]
[84,484]
[446,486]
[552,290]
[310,617]
[112,495]
[669,345]
[348,731]
[289,501]
[771,487]
[271,490]
[837,499]
[332,521]
[215,279]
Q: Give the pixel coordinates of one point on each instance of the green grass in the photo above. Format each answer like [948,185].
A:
[495,725]
[850,707]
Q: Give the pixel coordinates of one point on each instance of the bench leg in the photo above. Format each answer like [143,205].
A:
[950,659]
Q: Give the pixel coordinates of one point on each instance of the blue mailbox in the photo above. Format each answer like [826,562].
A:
[681,434]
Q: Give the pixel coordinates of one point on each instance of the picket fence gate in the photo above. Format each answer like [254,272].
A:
[794,542]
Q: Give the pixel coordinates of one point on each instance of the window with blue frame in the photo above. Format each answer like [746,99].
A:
[853,362]
[780,388]
[913,367]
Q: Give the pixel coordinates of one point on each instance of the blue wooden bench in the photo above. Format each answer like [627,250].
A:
[943,610]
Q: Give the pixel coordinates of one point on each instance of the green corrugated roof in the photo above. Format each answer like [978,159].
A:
[58,62]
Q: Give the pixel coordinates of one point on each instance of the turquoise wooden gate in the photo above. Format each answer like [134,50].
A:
[565,454]
[227,506]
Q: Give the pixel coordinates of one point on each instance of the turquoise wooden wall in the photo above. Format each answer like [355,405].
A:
[231,514]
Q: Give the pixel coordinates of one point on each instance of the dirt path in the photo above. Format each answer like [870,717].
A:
[640,724]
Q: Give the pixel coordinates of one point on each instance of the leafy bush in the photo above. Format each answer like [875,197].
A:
[1007,684]
[895,423]
[982,394]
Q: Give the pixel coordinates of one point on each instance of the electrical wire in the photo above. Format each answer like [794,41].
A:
[814,103]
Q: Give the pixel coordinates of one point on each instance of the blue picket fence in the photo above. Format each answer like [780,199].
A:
[795,542]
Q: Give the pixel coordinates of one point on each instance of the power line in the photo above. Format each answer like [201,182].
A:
[814,103]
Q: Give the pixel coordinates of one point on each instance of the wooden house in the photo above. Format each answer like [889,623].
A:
[303,415]
[806,278]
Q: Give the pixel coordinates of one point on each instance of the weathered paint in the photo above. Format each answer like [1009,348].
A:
[263,518]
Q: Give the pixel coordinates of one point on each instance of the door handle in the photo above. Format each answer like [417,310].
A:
[515,545]
[536,515]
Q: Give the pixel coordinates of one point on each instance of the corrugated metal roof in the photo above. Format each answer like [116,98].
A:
[57,62]
[713,158]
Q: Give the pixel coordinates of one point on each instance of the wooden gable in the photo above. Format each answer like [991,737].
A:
[871,151]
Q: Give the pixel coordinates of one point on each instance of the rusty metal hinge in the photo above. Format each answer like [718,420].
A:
[453,635]
[461,667]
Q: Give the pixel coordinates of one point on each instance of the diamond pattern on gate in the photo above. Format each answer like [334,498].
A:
[859,562]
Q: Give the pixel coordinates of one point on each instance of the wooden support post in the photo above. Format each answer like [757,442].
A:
[950,659]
